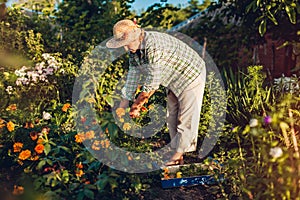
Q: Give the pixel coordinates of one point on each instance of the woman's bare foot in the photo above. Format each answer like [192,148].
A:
[177,159]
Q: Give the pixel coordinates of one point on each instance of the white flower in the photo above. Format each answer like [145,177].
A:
[46,56]
[48,71]
[253,123]
[18,82]
[33,75]
[21,72]
[9,89]
[276,152]
[43,77]
[39,67]
[22,81]
[46,115]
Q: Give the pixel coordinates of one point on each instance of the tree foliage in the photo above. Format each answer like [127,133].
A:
[86,23]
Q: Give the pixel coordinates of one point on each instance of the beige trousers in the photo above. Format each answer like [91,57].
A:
[183,115]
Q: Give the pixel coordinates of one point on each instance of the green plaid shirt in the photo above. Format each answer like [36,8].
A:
[163,60]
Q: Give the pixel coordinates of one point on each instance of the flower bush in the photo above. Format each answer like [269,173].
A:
[40,148]
[261,158]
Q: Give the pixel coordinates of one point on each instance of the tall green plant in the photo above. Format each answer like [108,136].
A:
[247,94]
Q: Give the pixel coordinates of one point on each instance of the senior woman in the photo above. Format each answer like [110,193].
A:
[163,60]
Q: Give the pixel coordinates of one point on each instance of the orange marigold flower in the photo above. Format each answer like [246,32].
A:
[126,126]
[166,170]
[120,112]
[79,165]
[33,135]
[39,148]
[28,125]
[25,154]
[18,146]
[96,145]
[2,123]
[34,158]
[79,137]
[10,126]
[166,176]
[107,143]
[66,107]
[90,135]
[18,190]
[40,141]
[129,156]
[79,173]
[12,107]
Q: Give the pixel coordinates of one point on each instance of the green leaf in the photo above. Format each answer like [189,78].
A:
[291,13]
[65,149]
[258,3]
[41,164]
[49,162]
[112,129]
[88,193]
[109,100]
[272,18]
[262,27]
[65,176]
[47,148]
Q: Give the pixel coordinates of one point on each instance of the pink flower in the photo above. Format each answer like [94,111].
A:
[267,119]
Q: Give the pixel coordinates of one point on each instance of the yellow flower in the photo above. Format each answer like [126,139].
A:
[126,126]
[178,174]
[18,190]
[18,146]
[79,173]
[79,138]
[25,154]
[10,126]
[121,120]
[66,107]
[39,148]
[89,135]
[120,112]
